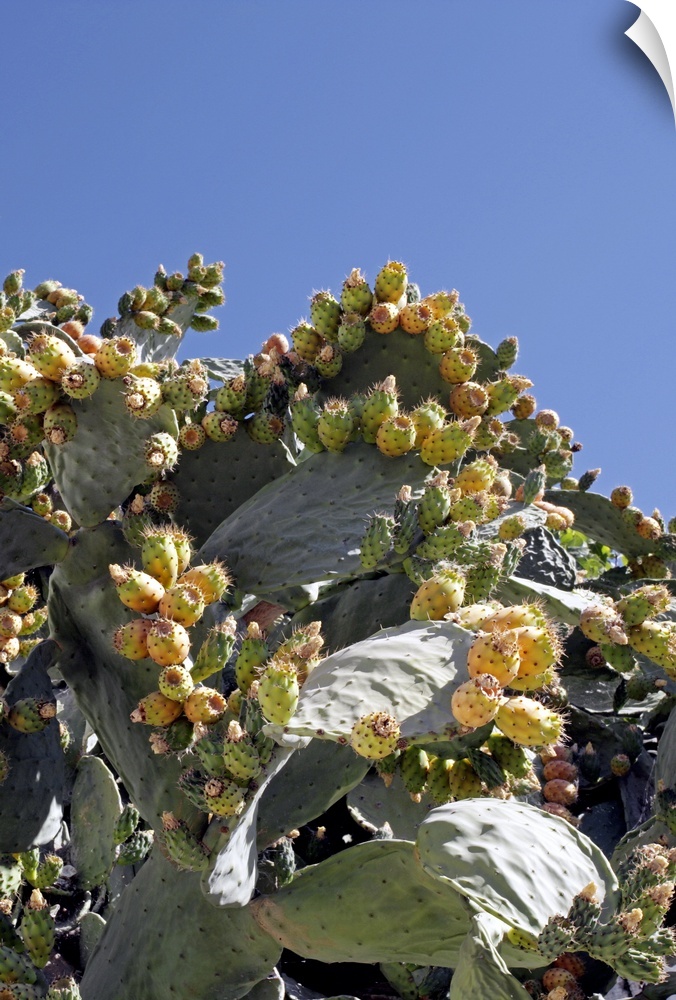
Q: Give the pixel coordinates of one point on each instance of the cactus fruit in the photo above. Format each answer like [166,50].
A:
[438,596]
[377,540]
[36,396]
[167,643]
[184,849]
[458,365]
[31,715]
[427,417]
[476,701]
[211,580]
[657,641]
[375,736]
[325,315]
[240,755]
[60,424]
[176,682]
[442,335]
[38,929]
[204,705]
[183,603]
[252,655]
[396,435]
[602,623]
[278,692]
[223,797]
[463,781]
[495,653]
[528,723]
[159,557]
[449,442]
[138,591]
[220,427]
[156,710]
[115,357]
[50,356]
[356,296]
[131,640]
[142,396]
[335,425]
[215,651]
[307,342]
[643,603]
[391,281]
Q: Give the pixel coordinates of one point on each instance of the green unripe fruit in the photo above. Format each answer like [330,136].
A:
[17,969]
[219,426]
[356,296]
[463,781]
[375,736]
[643,603]
[231,397]
[160,452]
[305,418]
[335,425]
[438,780]
[159,557]
[215,651]
[142,397]
[534,484]
[429,416]
[415,765]
[488,434]
[136,848]
[511,758]
[26,432]
[50,355]
[81,380]
[307,342]
[33,621]
[36,475]
[60,424]
[512,527]
[442,543]
[376,541]
[351,332]
[240,755]
[325,314]
[449,442]
[504,393]
[253,653]
[264,427]
[13,282]
[329,361]
[379,405]
[435,504]
[391,282]
[396,436]
[223,797]
[36,396]
[15,372]
[8,409]
[278,693]
[185,850]
[46,873]
[29,715]
[126,823]
[442,335]
[507,352]
[204,324]
[115,357]
[657,641]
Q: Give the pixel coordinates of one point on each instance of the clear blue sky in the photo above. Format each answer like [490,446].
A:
[519,150]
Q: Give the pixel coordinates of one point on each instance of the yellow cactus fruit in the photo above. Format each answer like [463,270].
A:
[384,317]
[516,615]
[375,736]
[528,723]
[438,596]
[477,475]
[495,653]
[396,435]
[476,701]
[539,651]
[415,318]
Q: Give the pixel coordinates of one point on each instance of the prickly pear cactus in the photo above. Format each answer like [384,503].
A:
[340,606]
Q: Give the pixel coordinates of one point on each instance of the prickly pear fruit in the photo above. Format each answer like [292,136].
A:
[131,640]
[31,715]
[211,579]
[156,710]
[126,823]
[220,427]
[375,736]
[335,425]
[223,797]
[602,623]
[414,765]
[657,641]
[205,705]
[476,701]
[463,781]
[183,603]
[438,596]
[435,504]
[36,396]
[215,651]
[50,355]
[514,616]
[325,315]
[495,653]
[142,396]
[377,540]
[240,754]
[138,591]
[115,357]
[356,296]
[643,603]
[458,364]
[253,654]
[307,342]
[278,693]
[184,849]
[427,417]
[379,405]
[450,442]
[396,435]
[167,643]
[391,281]
[528,723]
[159,557]
[175,682]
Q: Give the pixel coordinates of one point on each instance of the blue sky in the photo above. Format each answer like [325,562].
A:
[521,151]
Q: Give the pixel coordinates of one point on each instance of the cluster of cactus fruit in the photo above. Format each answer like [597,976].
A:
[205,645]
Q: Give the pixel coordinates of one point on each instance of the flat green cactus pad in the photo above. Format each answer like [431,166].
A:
[27,540]
[99,468]
[513,860]
[94,809]
[372,903]
[31,796]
